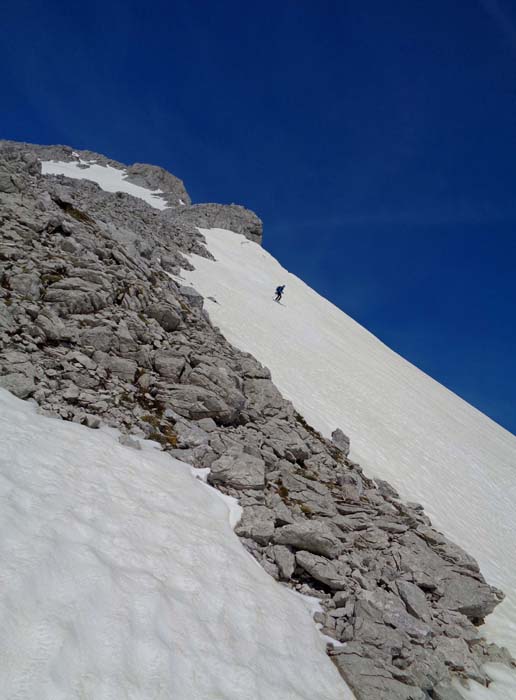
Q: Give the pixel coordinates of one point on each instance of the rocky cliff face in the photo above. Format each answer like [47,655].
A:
[232,216]
[96,327]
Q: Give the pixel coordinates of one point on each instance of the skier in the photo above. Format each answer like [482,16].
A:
[279,293]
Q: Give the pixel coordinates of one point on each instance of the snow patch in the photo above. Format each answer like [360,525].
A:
[108,178]
[122,579]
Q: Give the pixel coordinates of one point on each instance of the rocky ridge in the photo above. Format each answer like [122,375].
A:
[96,327]
[155,179]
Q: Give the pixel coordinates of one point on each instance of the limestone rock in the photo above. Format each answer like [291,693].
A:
[195,402]
[99,337]
[6,182]
[285,560]
[470,597]
[266,399]
[309,493]
[313,536]
[220,381]
[240,471]
[371,678]
[123,368]
[341,441]
[195,299]
[167,317]
[169,365]
[383,607]
[26,284]
[334,574]
[257,523]
[52,327]
[157,179]
[18,384]
[227,216]
[190,435]
[414,599]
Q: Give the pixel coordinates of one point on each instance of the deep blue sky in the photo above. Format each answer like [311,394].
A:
[377,140]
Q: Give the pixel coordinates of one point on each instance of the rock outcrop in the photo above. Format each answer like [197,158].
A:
[152,177]
[232,217]
[181,212]
[95,329]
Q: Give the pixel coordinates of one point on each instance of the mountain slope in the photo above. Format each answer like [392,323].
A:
[97,327]
[405,427]
[121,578]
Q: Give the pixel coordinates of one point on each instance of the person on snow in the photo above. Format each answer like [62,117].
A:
[279,293]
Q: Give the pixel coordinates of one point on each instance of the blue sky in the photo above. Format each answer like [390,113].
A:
[376,140]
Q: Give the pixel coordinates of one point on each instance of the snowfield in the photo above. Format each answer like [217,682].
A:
[108,178]
[122,579]
[404,427]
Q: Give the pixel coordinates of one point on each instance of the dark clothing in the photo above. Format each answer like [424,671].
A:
[279,293]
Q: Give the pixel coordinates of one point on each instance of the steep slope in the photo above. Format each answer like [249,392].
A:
[405,427]
[121,578]
[97,327]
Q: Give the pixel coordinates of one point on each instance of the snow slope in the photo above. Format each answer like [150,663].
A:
[404,426]
[121,579]
[108,178]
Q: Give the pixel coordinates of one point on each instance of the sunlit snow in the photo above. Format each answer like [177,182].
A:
[404,426]
[121,579]
[108,178]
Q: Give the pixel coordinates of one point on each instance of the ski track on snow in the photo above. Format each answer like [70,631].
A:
[404,426]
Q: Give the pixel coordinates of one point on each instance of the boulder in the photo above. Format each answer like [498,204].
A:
[122,367]
[98,337]
[192,296]
[189,435]
[386,490]
[414,599]
[382,607]
[257,523]
[371,678]
[240,471]
[221,381]
[166,315]
[194,403]
[265,398]
[169,365]
[341,441]
[18,384]
[52,327]
[470,597]
[207,424]
[313,536]
[7,185]
[27,285]
[334,574]
[76,296]
[313,496]
[285,561]
[456,653]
